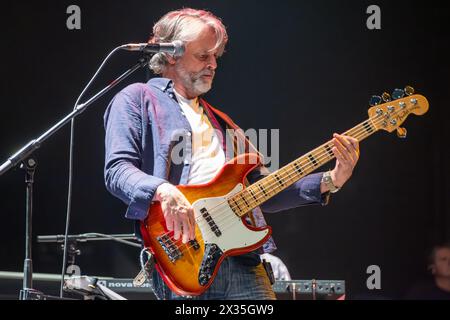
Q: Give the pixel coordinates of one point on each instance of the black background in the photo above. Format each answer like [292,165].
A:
[305,67]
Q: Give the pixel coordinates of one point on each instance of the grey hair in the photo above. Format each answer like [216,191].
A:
[185,25]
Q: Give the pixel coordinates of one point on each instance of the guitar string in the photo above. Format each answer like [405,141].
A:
[237,219]
[226,223]
[304,165]
[359,130]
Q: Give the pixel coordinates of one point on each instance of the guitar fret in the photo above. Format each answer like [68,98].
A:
[253,195]
[231,203]
[245,200]
[236,204]
[262,189]
[274,184]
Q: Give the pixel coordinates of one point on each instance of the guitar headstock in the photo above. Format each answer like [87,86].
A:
[390,114]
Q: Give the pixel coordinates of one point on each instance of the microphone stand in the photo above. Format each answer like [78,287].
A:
[74,240]
[28,163]
[91,288]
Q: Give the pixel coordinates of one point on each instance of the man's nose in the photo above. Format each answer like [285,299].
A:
[212,63]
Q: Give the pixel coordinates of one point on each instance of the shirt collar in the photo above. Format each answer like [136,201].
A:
[163,84]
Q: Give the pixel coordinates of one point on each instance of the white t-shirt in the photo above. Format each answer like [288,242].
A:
[208,156]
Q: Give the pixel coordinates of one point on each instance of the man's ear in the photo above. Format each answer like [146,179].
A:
[171,59]
[432,269]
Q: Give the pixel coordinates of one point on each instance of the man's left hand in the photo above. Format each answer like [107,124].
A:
[346,150]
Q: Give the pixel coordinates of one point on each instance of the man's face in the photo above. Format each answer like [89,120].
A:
[195,70]
[441,266]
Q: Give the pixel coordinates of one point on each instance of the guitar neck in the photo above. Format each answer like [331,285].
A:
[271,185]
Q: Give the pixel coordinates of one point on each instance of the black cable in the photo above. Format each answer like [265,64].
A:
[71,147]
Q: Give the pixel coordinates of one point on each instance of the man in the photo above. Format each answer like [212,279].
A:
[143,123]
[439,287]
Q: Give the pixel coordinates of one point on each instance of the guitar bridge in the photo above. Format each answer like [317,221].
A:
[172,251]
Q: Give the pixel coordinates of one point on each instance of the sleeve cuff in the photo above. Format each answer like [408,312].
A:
[310,189]
[142,196]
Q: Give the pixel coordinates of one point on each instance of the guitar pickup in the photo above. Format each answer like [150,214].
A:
[210,221]
[194,244]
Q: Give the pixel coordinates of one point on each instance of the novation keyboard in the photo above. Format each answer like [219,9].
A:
[11,283]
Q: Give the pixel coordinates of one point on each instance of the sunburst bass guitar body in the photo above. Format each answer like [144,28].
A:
[188,269]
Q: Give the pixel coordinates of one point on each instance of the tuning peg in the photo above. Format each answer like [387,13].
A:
[401,132]
[409,90]
[398,94]
[386,97]
[374,100]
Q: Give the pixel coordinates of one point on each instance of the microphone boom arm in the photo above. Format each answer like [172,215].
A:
[34,144]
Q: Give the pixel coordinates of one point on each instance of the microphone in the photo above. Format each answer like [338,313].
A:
[175,48]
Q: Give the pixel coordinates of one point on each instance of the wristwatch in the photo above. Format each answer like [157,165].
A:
[326,178]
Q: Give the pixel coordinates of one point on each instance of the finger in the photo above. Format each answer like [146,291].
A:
[192,222]
[343,161]
[343,151]
[186,230]
[352,144]
[355,144]
[355,156]
[169,221]
[338,155]
[176,229]
[351,153]
[353,147]
[169,224]
[345,141]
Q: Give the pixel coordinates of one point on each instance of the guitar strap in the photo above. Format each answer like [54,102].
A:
[235,133]
[238,132]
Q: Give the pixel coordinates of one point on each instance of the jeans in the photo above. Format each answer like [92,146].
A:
[239,278]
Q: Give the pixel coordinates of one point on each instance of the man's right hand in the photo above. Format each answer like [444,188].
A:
[177,211]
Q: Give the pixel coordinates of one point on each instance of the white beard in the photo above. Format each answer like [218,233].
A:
[193,82]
